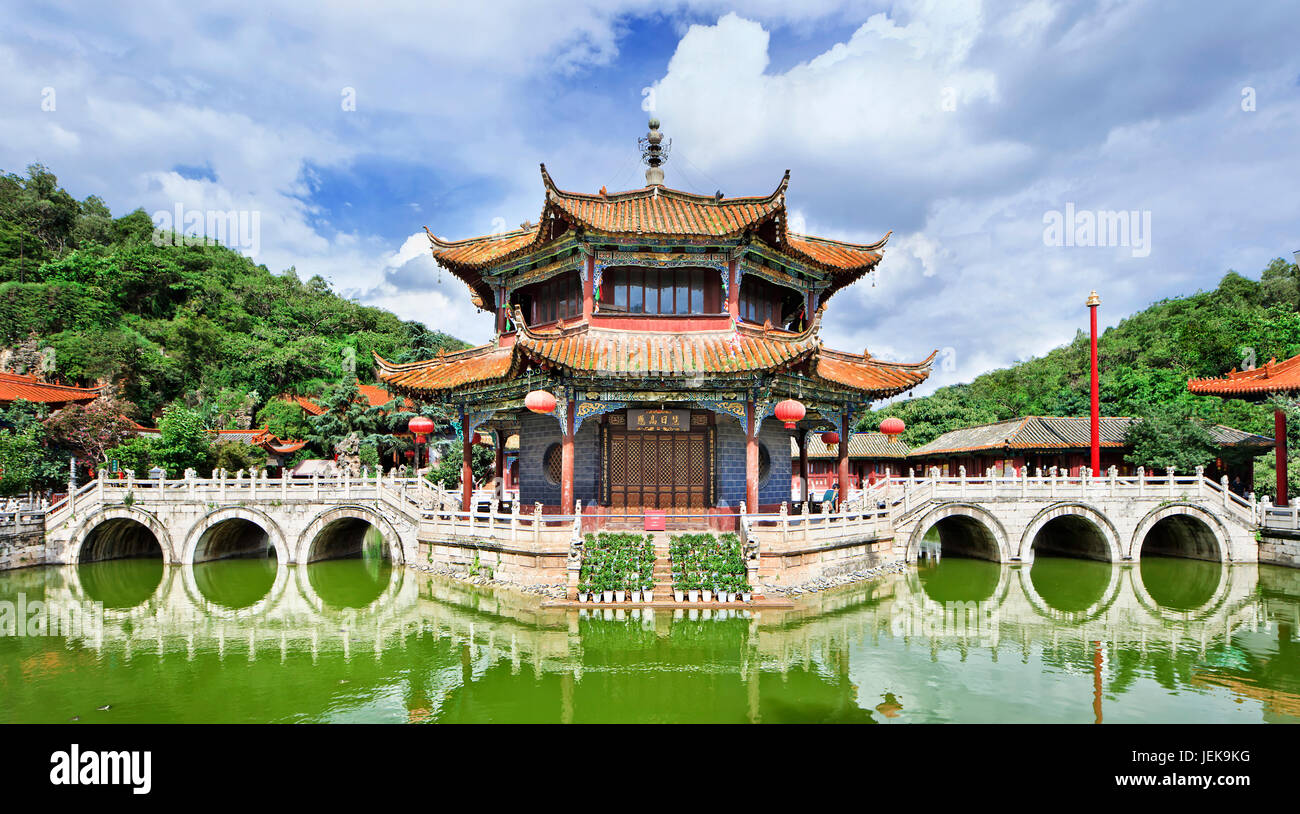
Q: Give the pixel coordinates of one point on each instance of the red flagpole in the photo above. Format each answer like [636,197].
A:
[1093,302]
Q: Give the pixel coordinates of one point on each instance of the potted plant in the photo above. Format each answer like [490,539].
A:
[583,591]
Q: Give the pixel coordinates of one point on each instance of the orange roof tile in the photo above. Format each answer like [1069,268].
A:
[449,370]
[14,386]
[658,210]
[1274,377]
[377,396]
[836,253]
[615,353]
[861,372]
[477,252]
[624,353]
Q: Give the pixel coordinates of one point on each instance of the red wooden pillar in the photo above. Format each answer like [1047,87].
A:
[589,290]
[1093,302]
[466,471]
[566,459]
[844,458]
[803,464]
[751,456]
[1279,444]
[733,291]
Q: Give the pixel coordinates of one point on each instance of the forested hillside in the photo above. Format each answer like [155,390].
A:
[194,323]
[1145,360]
[197,332]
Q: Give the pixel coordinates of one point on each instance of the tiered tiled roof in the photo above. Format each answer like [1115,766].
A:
[14,386]
[1060,433]
[632,354]
[614,353]
[653,211]
[861,445]
[1274,377]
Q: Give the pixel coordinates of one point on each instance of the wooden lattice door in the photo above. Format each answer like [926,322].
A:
[658,470]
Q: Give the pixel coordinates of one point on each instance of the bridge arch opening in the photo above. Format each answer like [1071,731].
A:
[962,536]
[1181,535]
[233,538]
[1073,536]
[120,563]
[120,538]
[347,538]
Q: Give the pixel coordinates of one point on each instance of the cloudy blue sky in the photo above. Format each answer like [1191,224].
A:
[959,125]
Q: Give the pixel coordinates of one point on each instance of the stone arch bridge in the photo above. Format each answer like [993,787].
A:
[193,519]
[1108,517]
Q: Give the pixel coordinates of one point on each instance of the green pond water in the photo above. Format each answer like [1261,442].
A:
[247,640]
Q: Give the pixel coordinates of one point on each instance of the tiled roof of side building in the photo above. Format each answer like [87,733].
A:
[1058,433]
[861,445]
[15,386]
[1274,377]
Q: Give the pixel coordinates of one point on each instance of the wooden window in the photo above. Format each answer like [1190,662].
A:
[761,301]
[557,298]
[666,291]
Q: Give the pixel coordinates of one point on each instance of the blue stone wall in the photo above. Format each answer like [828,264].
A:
[536,434]
[731,462]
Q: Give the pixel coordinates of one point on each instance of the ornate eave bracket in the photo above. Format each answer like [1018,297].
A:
[475,420]
[590,409]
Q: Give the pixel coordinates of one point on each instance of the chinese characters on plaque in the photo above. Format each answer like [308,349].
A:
[679,420]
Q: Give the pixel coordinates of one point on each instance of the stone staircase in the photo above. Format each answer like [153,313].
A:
[663,571]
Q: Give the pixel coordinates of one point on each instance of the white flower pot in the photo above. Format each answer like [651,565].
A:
[647,596]
[636,597]
[747,596]
[725,596]
[680,596]
[694,595]
[582,597]
[607,596]
[706,595]
[620,596]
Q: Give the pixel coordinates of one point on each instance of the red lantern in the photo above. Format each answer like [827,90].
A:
[540,401]
[892,427]
[789,411]
[830,438]
[421,427]
[410,453]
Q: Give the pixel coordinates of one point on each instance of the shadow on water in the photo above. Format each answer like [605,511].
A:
[1069,584]
[236,583]
[1181,584]
[960,579]
[121,584]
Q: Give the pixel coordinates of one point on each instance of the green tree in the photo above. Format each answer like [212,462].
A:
[136,453]
[447,470]
[284,419]
[1163,438]
[20,454]
[233,456]
[183,441]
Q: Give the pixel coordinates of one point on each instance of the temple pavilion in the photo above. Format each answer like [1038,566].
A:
[655,349]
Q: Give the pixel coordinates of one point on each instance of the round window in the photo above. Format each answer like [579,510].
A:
[552,464]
